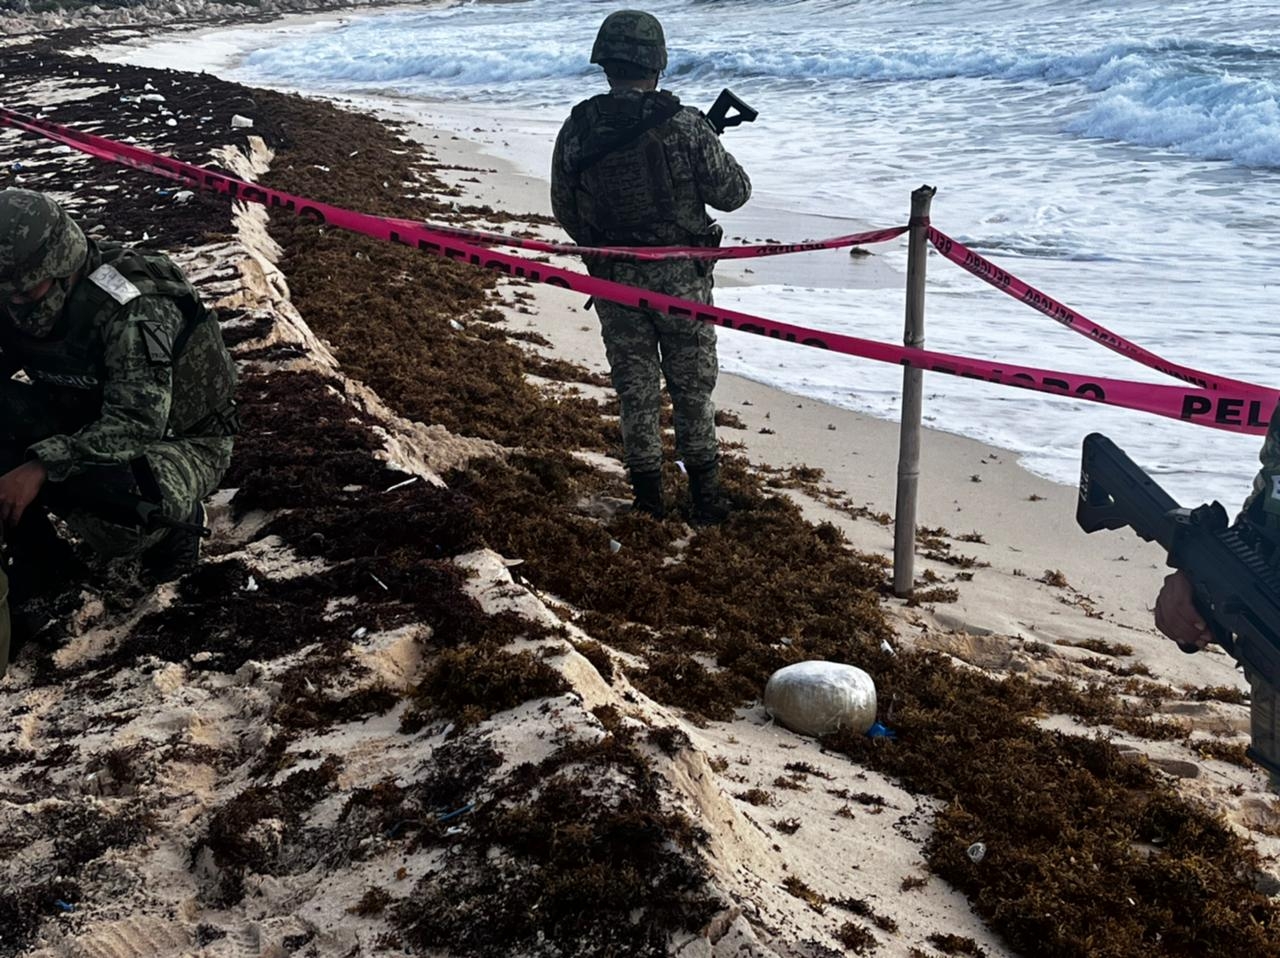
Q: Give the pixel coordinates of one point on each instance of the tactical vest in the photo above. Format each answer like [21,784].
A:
[70,361]
[626,192]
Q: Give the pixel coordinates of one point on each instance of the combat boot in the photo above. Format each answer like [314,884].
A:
[648,489]
[177,553]
[710,507]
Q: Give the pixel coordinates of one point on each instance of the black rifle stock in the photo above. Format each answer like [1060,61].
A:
[1236,590]
[126,496]
[719,117]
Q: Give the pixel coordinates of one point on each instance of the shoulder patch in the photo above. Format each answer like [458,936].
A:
[112,282]
[157,343]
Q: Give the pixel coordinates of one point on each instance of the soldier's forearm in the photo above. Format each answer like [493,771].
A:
[736,192]
[67,456]
[123,432]
[56,454]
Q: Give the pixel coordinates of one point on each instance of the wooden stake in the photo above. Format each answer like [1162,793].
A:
[904,513]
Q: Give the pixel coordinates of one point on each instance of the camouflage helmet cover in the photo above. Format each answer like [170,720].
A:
[633,36]
[38,241]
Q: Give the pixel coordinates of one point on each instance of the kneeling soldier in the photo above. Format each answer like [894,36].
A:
[128,394]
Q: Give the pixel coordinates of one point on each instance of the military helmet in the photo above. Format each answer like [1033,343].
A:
[38,241]
[632,36]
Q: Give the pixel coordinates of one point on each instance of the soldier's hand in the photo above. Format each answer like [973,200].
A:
[19,488]
[1176,613]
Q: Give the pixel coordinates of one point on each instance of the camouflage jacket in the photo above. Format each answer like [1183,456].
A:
[1263,503]
[650,190]
[133,361]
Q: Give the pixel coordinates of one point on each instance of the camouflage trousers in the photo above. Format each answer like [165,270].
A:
[1264,723]
[643,348]
[186,470]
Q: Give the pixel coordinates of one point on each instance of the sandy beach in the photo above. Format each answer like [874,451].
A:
[433,694]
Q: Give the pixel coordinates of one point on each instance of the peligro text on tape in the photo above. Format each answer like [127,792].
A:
[1223,409]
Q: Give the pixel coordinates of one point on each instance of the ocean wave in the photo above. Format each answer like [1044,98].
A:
[1213,118]
[1210,100]
[377,55]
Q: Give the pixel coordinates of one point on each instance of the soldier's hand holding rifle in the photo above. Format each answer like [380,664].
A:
[19,488]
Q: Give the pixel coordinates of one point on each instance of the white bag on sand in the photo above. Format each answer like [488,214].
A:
[818,698]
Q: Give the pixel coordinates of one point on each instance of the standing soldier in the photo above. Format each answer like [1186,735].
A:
[632,167]
[128,393]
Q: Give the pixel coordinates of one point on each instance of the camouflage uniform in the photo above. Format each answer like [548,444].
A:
[124,365]
[635,168]
[126,405]
[1263,508]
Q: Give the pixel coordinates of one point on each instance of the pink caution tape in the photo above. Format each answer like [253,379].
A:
[1006,282]
[1228,409]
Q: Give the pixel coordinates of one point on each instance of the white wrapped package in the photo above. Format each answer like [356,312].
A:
[818,698]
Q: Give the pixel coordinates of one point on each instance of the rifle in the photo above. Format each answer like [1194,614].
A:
[1236,590]
[127,496]
[718,116]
